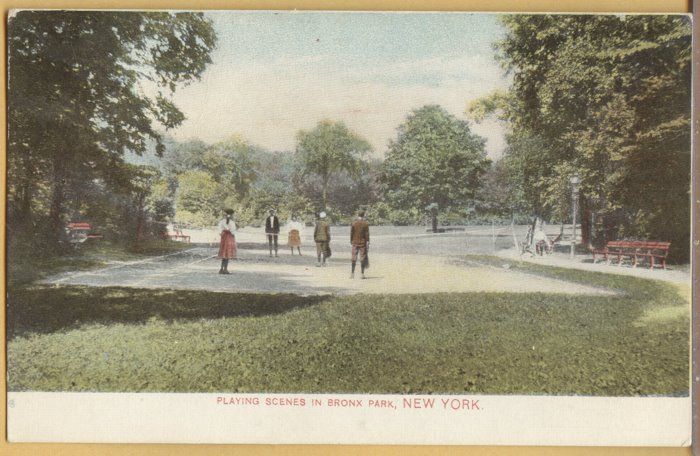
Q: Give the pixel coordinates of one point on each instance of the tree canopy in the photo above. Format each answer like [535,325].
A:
[436,159]
[327,150]
[84,88]
[607,97]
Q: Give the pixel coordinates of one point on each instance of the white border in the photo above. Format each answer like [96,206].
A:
[466,419]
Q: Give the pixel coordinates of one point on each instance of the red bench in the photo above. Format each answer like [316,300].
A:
[177,236]
[81,231]
[653,251]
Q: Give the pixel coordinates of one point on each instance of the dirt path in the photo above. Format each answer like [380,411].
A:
[255,271]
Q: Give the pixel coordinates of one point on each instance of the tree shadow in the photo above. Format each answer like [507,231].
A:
[47,309]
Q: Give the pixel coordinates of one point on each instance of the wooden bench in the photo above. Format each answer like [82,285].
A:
[654,251]
[178,236]
[81,231]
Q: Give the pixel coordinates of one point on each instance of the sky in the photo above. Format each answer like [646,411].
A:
[275,73]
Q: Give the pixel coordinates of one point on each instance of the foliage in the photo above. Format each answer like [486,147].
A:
[327,150]
[498,193]
[84,88]
[122,339]
[159,201]
[607,97]
[204,179]
[435,159]
[230,162]
[199,198]
[277,186]
[179,157]
[382,213]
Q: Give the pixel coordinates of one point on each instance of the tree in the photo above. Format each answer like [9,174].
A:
[275,187]
[145,201]
[436,162]
[179,157]
[329,149]
[159,202]
[86,86]
[497,194]
[199,198]
[607,97]
[232,163]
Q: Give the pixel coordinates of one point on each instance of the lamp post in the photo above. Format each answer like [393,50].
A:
[575,181]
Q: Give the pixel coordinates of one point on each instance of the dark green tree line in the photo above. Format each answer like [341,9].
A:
[84,88]
[607,97]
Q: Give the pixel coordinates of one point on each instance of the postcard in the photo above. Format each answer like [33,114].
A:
[349,227]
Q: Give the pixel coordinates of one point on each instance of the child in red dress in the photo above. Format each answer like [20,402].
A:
[227,246]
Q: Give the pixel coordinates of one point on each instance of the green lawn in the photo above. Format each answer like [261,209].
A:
[119,339]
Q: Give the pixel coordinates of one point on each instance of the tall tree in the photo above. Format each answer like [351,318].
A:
[199,198]
[232,162]
[435,162]
[329,149]
[608,97]
[86,86]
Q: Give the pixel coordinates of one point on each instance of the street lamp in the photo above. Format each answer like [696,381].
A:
[575,181]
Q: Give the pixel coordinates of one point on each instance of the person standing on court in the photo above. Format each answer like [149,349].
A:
[227,245]
[322,237]
[359,240]
[294,228]
[272,229]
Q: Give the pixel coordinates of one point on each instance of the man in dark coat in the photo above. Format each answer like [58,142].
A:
[322,237]
[359,239]
[272,229]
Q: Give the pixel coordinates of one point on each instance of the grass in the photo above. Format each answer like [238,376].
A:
[24,268]
[71,338]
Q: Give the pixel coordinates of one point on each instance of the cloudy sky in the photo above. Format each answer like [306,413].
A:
[276,73]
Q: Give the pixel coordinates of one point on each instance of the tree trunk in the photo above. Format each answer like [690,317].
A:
[609,227]
[57,204]
[19,197]
[21,216]
[139,221]
[25,207]
[531,231]
[325,192]
[433,215]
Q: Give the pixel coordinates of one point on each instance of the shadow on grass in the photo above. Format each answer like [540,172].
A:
[47,309]
[25,267]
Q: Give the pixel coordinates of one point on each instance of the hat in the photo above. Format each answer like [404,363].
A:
[322,214]
[228,211]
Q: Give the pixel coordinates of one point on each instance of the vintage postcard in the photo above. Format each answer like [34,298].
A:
[347,227]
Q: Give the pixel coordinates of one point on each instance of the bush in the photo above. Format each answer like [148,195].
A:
[382,214]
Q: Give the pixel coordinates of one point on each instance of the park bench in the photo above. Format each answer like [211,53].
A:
[654,252]
[81,231]
[178,236]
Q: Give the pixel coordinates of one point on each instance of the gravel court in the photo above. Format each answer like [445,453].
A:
[255,271]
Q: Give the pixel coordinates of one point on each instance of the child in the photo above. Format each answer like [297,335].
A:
[227,246]
[294,228]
